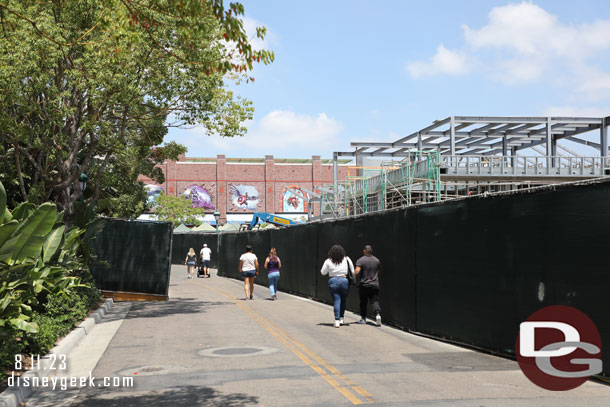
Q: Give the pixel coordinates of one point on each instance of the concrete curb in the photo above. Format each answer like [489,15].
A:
[14,396]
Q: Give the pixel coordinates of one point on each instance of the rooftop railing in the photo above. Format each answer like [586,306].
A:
[525,166]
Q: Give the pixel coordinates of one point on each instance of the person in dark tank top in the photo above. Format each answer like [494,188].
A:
[273,265]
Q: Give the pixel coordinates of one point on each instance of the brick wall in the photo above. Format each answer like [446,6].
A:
[268,179]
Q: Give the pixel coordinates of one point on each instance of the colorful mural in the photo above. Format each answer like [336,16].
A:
[199,196]
[292,199]
[152,191]
[244,196]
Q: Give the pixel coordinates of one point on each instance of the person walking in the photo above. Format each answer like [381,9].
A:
[273,264]
[369,266]
[191,262]
[206,256]
[337,266]
[248,265]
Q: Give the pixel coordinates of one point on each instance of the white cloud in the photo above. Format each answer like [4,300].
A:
[522,27]
[287,133]
[522,43]
[528,29]
[445,61]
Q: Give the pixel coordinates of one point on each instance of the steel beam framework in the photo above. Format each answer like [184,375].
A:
[466,135]
[465,145]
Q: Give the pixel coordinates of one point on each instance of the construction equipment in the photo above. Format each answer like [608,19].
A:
[269,218]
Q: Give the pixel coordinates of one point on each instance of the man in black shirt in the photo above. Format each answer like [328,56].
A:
[369,265]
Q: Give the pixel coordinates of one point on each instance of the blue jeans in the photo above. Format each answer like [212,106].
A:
[338,288]
[273,279]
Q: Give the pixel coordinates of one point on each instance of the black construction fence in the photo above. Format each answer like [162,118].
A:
[132,256]
[468,270]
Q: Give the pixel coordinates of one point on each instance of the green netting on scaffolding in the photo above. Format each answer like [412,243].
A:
[394,184]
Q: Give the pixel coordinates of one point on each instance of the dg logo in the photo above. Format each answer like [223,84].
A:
[559,348]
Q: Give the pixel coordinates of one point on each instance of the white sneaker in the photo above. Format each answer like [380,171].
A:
[337,323]
[378,320]
[341,321]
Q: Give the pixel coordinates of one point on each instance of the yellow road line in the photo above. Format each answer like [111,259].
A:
[328,366]
[304,353]
[304,358]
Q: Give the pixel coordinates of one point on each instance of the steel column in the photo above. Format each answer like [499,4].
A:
[452,136]
[335,176]
[360,163]
[603,142]
[548,142]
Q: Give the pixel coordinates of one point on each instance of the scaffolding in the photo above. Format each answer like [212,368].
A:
[394,184]
[468,155]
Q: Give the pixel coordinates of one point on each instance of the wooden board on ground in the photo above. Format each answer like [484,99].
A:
[129,296]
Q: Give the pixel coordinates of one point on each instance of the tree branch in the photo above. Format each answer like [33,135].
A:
[20,174]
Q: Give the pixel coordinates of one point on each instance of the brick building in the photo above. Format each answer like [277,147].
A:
[237,187]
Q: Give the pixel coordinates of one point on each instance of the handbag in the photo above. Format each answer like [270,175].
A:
[351,280]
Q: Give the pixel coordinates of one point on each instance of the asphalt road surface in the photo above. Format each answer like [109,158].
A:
[208,346]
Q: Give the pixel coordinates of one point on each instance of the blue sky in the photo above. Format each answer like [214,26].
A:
[376,71]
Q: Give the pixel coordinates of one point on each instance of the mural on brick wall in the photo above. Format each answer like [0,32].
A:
[292,199]
[200,197]
[152,191]
[244,196]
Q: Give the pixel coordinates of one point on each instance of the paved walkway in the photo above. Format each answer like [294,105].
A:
[208,346]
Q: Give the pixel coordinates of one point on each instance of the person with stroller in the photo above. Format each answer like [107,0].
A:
[206,255]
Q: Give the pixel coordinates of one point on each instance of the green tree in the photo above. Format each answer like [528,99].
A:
[91,86]
[124,196]
[177,209]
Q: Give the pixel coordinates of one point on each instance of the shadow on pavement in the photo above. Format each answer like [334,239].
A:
[187,396]
[172,307]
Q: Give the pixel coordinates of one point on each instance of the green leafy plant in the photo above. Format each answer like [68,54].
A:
[37,254]
[55,317]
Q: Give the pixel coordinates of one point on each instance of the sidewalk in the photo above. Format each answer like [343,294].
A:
[208,346]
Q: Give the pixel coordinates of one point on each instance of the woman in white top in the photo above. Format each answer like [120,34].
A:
[248,265]
[336,266]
